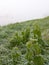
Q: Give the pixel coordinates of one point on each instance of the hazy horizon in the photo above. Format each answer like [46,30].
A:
[12,11]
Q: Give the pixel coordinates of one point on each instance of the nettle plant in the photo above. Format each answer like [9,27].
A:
[33,50]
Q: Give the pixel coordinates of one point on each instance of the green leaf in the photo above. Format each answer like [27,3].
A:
[38,60]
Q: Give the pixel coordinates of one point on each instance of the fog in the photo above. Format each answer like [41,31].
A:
[12,11]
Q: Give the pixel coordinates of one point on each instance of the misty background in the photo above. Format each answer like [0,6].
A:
[12,11]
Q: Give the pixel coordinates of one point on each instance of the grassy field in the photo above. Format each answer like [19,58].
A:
[15,43]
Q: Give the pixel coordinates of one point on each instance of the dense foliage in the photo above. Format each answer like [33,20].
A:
[25,43]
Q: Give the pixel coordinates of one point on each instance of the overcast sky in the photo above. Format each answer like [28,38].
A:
[18,10]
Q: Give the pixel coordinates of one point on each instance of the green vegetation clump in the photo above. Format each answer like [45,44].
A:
[25,43]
